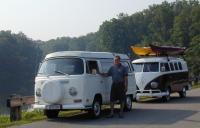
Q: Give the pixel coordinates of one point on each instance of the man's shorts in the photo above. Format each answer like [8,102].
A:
[118,92]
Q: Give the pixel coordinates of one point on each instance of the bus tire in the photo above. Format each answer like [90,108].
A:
[96,108]
[51,113]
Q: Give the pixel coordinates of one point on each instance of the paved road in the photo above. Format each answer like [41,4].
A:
[178,113]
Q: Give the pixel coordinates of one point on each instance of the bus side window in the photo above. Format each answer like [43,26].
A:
[171,66]
[180,66]
[105,66]
[92,67]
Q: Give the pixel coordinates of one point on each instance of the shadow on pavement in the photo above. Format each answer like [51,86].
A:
[136,116]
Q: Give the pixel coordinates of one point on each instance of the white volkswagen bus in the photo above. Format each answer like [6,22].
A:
[71,80]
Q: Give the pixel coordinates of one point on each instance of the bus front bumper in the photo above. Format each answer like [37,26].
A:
[61,107]
[150,93]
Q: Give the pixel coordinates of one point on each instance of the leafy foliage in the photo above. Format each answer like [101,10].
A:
[73,44]
[176,24]
[19,57]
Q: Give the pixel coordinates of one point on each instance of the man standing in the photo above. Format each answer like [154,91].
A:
[119,76]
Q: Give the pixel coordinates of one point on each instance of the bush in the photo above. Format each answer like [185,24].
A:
[27,117]
[32,115]
[4,119]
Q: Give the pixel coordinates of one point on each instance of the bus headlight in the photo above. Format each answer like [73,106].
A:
[154,84]
[73,91]
[38,92]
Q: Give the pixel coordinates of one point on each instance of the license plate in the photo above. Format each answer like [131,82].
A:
[53,107]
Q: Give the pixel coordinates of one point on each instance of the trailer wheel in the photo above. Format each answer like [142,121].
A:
[128,103]
[167,97]
[182,93]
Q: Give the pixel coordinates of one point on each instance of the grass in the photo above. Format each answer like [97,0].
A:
[27,117]
[196,86]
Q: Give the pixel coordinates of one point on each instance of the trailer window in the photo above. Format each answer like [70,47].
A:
[164,67]
[171,66]
[138,67]
[180,66]
[151,67]
[176,66]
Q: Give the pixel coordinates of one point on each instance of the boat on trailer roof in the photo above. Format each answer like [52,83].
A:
[154,50]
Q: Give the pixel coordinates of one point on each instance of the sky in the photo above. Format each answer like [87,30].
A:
[49,19]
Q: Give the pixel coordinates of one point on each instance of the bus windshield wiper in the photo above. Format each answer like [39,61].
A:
[60,72]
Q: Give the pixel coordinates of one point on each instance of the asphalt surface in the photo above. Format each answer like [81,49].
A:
[177,113]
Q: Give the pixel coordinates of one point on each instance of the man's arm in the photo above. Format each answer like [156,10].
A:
[108,73]
[104,74]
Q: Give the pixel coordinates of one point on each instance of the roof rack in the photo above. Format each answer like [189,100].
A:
[154,50]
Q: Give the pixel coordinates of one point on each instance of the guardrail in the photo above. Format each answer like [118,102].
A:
[15,103]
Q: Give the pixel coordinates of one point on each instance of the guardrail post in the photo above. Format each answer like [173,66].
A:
[16,110]
[15,103]
[15,113]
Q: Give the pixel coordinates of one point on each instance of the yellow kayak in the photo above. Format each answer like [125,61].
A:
[143,51]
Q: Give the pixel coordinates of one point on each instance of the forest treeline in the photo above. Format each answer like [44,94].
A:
[175,24]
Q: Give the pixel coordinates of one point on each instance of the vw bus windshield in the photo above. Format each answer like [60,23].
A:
[138,67]
[61,66]
[151,67]
[146,67]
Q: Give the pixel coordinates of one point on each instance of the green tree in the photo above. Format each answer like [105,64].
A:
[19,59]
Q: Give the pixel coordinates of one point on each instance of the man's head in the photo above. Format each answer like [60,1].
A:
[117,60]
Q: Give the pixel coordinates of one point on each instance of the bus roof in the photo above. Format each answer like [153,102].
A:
[85,54]
[156,59]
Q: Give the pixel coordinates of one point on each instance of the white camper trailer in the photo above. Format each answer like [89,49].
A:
[71,80]
[158,75]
